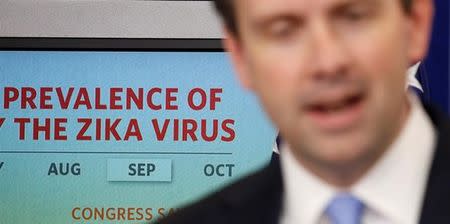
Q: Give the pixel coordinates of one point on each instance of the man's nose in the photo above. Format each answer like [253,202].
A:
[330,54]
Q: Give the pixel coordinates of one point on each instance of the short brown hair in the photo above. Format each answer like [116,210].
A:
[226,10]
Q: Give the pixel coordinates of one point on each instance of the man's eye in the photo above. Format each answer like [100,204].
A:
[355,15]
[281,29]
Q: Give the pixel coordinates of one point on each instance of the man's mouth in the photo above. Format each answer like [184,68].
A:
[336,112]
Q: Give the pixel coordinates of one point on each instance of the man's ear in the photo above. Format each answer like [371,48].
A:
[233,45]
[421,17]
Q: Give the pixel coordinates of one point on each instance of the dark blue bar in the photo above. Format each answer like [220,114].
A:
[437,62]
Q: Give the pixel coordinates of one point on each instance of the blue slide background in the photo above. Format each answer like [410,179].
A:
[29,195]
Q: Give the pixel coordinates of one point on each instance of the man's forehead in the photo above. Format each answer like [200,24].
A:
[269,7]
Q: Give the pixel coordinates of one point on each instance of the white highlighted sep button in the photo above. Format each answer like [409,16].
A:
[142,170]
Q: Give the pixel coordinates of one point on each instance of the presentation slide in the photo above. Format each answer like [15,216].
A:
[121,137]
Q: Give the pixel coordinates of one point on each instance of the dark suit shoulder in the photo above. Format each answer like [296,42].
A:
[245,198]
[436,203]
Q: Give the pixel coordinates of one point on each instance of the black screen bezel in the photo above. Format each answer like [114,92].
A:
[109,44]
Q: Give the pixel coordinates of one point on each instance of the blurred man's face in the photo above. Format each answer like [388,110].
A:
[330,73]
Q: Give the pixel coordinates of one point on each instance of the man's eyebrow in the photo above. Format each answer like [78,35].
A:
[265,21]
[345,5]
